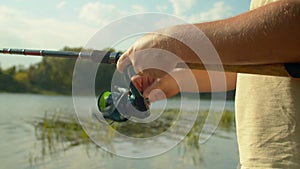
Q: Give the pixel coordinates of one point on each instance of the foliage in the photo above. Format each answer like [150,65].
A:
[8,83]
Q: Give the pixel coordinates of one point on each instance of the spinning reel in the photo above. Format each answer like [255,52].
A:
[120,106]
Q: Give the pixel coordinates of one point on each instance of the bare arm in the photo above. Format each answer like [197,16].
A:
[203,80]
[266,35]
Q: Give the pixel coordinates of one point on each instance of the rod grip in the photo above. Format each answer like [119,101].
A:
[101,56]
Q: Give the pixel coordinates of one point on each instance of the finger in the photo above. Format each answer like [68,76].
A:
[123,61]
[146,82]
[157,85]
[137,81]
[142,82]
[156,95]
[161,89]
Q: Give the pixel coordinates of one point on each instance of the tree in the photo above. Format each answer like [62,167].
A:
[53,74]
[10,71]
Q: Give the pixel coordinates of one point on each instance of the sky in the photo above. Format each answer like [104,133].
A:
[53,24]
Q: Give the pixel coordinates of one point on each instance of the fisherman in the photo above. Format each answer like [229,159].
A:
[267,107]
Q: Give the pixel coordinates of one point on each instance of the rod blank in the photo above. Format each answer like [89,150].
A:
[46,53]
[95,55]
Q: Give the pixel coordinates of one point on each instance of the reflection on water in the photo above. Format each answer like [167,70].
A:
[57,133]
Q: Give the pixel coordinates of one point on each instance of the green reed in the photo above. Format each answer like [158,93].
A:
[58,131]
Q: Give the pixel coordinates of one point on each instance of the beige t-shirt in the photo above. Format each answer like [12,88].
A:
[268,119]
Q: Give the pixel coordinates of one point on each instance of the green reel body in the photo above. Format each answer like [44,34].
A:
[120,107]
[107,108]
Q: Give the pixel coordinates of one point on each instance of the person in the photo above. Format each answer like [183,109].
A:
[267,107]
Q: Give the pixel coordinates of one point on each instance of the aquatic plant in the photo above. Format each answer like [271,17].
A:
[58,131]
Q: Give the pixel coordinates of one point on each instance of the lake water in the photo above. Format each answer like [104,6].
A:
[22,145]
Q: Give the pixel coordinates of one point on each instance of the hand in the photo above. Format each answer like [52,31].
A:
[143,80]
[157,85]
[152,51]
[165,48]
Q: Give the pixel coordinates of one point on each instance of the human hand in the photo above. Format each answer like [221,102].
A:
[165,48]
[151,51]
[157,85]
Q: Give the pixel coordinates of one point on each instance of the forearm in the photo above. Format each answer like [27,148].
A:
[269,34]
[266,35]
[204,79]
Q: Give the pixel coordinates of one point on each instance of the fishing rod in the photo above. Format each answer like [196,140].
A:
[280,69]
[94,55]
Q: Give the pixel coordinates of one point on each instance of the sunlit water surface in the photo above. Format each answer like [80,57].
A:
[26,144]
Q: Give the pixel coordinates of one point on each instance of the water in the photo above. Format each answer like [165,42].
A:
[22,147]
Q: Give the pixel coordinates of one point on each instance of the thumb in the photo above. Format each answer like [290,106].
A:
[162,88]
[123,61]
